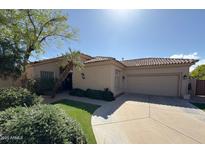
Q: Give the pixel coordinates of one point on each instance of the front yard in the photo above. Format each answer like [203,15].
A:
[82,113]
[45,123]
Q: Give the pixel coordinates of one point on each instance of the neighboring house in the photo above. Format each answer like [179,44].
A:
[154,76]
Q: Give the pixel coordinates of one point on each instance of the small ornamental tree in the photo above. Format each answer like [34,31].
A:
[72,60]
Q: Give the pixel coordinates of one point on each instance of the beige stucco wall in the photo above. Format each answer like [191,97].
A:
[121,87]
[52,66]
[99,76]
[96,77]
[29,72]
[33,72]
[4,83]
[178,70]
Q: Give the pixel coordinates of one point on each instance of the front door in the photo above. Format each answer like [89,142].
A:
[67,83]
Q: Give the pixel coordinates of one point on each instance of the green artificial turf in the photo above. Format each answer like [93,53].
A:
[82,113]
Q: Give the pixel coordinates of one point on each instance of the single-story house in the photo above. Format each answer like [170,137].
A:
[153,76]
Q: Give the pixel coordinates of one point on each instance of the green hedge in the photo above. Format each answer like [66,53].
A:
[78,92]
[12,97]
[40,86]
[108,96]
[39,124]
[44,86]
[95,94]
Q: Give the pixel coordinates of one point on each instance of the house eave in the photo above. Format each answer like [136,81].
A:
[159,66]
[106,62]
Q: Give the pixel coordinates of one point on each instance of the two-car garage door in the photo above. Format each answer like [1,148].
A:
[162,85]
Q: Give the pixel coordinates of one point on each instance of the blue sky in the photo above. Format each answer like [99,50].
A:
[133,34]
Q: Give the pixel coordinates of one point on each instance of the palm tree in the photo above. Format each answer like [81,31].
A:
[72,60]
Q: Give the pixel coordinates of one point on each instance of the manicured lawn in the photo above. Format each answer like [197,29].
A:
[82,113]
[200,105]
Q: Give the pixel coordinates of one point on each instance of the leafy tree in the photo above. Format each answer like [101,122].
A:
[199,72]
[27,32]
[72,60]
[10,60]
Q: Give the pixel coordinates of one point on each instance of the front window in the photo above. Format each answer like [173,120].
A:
[47,75]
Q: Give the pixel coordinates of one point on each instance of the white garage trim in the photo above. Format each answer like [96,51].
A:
[147,75]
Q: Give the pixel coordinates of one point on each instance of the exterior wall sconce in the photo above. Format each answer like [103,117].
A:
[83,76]
[185,77]
[123,77]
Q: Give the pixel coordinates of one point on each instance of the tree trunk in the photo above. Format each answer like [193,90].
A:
[62,77]
[26,58]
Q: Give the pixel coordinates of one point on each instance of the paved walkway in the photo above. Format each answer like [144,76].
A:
[65,95]
[148,119]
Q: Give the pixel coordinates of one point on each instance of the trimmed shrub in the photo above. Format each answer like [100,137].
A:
[77,92]
[12,97]
[39,124]
[99,94]
[44,86]
[30,85]
[94,94]
[108,96]
[41,86]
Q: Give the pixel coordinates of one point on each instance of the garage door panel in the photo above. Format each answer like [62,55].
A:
[153,85]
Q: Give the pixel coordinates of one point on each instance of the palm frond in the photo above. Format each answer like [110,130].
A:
[73,57]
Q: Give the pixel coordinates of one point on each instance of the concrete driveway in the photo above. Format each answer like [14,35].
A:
[148,119]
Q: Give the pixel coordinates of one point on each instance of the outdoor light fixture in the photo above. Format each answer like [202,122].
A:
[185,77]
[123,77]
[83,75]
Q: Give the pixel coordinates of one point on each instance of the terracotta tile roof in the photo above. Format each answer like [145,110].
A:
[99,59]
[132,62]
[157,61]
[57,58]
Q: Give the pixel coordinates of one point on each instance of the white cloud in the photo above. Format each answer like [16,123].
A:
[193,55]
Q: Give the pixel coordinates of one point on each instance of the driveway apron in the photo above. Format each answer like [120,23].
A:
[148,119]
